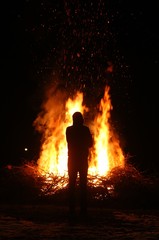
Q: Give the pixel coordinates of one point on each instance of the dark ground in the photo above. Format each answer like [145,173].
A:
[46,221]
[131,211]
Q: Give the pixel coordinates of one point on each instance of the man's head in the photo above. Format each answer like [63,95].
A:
[77,118]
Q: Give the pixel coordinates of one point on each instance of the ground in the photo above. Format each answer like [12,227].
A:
[47,221]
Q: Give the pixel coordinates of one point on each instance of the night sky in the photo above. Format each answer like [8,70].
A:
[81,45]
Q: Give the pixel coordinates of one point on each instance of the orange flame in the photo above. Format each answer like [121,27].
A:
[107,152]
[52,122]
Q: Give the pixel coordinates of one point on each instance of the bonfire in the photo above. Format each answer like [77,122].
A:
[106,153]
[110,176]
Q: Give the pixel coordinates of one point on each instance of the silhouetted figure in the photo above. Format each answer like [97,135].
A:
[79,140]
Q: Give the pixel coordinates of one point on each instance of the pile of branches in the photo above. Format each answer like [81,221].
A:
[18,184]
[122,186]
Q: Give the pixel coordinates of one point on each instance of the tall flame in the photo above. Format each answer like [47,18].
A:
[52,122]
[107,152]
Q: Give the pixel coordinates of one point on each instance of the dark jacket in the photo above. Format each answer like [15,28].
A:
[79,140]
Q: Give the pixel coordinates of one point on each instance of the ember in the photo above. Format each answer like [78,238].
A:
[106,153]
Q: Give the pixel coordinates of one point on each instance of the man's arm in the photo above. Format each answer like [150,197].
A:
[90,139]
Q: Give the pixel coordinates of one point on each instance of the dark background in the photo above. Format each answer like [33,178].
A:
[36,35]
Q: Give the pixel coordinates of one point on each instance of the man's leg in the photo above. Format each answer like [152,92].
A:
[72,185]
[83,191]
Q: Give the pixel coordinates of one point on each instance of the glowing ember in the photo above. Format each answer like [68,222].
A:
[52,122]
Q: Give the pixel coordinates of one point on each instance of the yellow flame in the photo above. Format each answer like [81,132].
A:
[52,122]
[107,152]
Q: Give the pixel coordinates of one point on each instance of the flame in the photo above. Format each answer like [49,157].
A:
[107,152]
[53,121]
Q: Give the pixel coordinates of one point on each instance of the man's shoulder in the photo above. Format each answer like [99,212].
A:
[69,128]
[86,127]
[82,127]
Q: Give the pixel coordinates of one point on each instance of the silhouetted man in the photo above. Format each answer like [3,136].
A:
[79,140]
